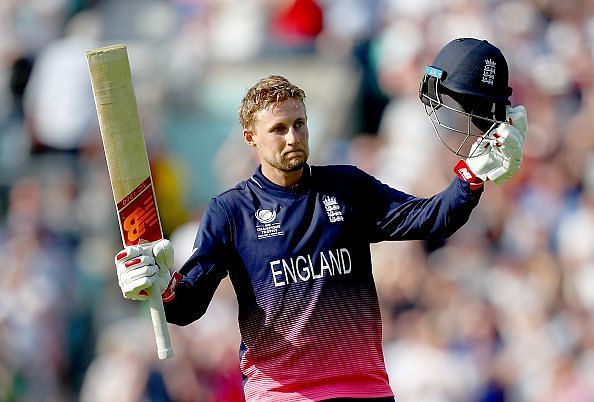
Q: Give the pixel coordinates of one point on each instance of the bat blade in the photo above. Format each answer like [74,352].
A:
[127,163]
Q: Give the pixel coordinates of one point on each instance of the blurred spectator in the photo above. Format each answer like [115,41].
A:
[14,142]
[58,100]
[298,23]
[34,283]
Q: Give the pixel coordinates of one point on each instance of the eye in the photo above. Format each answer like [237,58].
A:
[299,124]
[279,129]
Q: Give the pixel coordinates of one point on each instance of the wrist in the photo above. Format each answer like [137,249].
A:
[168,293]
[466,174]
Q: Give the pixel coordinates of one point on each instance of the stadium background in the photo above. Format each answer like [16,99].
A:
[502,313]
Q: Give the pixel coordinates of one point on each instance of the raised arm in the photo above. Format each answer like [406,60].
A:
[399,216]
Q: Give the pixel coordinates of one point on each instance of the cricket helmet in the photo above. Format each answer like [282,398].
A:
[465,92]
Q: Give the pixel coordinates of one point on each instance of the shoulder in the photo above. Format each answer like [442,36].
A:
[334,171]
[230,195]
[220,213]
[235,200]
[339,174]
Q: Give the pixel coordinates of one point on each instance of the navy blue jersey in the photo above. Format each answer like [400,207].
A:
[299,261]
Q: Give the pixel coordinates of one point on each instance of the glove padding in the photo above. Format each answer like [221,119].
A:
[144,268]
[501,152]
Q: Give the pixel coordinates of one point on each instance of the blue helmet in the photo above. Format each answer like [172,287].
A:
[469,77]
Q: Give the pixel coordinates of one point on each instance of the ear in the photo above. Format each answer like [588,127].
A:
[248,136]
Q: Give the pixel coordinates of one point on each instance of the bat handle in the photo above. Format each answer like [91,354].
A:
[164,348]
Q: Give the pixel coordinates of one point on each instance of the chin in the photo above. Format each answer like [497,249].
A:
[295,165]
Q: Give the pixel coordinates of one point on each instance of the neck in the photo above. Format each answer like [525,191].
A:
[281,178]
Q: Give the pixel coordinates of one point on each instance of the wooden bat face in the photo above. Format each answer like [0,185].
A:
[128,164]
[138,217]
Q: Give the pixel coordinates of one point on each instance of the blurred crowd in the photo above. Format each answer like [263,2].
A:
[501,312]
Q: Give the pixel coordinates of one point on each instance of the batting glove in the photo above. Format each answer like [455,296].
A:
[144,268]
[501,153]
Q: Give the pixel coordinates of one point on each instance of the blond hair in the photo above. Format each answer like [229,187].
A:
[269,91]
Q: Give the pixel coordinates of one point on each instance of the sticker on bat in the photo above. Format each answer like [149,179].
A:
[138,216]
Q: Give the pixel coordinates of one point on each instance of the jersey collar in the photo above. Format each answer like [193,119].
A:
[261,181]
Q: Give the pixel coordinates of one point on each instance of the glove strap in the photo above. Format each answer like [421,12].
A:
[169,293]
[465,174]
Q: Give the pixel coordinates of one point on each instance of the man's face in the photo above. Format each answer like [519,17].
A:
[280,136]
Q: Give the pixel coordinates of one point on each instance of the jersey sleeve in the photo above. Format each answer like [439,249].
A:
[396,215]
[204,269]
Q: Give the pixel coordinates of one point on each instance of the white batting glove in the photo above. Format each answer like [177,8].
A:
[518,118]
[144,268]
[501,153]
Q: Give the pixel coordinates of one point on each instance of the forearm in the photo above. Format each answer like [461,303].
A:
[432,218]
[188,300]
[456,205]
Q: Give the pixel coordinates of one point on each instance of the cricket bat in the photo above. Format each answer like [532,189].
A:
[127,163]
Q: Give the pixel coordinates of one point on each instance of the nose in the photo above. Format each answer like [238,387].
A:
[292,137]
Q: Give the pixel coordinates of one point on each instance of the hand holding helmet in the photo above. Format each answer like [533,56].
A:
[469,80]
[500,153]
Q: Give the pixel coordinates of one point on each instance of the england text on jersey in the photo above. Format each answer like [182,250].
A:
[300,268]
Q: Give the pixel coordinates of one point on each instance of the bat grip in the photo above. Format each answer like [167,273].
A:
[164,348]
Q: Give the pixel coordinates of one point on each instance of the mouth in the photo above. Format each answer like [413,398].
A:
[295,152]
